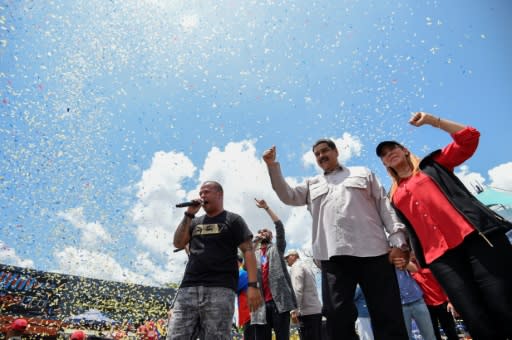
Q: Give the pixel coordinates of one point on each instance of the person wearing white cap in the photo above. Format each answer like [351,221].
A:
[309,309]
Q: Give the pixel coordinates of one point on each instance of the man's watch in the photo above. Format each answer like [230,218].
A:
[253,284]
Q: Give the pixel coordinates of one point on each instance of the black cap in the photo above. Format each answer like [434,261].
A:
[381,145]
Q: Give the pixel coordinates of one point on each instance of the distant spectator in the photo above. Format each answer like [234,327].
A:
[151,333]
[244,316]
[17,328]
[141,330]
[413,306]
[309,309]
[440,309]
[78,335]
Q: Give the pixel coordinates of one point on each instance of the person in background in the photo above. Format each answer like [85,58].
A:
[309,309]
[363,322]
[413,306]
[440,309]
[206,300]
[78,335]
[353,228]
[276,283]
[17,328]
[151,333]
[141,329]
[459,239]
[244,316]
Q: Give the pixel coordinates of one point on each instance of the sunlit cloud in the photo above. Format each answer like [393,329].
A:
[470,179]
[95,264]
[93,233]
[8,256]
[501,176]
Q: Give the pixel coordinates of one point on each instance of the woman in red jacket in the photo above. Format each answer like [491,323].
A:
[461,241]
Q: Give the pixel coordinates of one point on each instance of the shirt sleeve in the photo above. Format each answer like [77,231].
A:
[280,237]
[297,276]
[242,231]
[295,196]
[394,227]
[462,148]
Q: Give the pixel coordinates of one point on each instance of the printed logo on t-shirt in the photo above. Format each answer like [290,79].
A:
[206,229]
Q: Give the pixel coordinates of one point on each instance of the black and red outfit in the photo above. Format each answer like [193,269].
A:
[437,303]
[460,239]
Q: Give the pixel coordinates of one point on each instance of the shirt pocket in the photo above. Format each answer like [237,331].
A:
[355,183]
[318,189]
[357,186]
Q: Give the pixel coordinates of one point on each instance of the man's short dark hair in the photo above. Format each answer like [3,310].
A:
[329,142]
[215,184]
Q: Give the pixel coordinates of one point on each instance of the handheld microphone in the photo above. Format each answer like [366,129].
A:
[187,204]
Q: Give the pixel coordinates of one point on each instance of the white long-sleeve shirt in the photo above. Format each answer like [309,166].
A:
[304,286]
[350,212]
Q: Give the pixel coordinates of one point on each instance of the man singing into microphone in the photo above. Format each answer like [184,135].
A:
[205,304]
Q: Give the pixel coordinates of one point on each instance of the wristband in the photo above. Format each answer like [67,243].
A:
[253,284]
[189,215]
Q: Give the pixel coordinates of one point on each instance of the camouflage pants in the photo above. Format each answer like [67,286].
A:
[205,312]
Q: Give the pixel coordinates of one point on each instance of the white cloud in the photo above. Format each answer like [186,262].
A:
[470,179]
[92,264]
[298,227]
[501,176]
[348,146]
[93,233]
[157,192]
[8,256]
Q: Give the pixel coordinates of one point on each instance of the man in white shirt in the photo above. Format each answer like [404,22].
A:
[309,309]
[352,218]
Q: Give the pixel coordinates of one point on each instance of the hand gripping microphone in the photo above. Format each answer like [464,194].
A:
[187,204]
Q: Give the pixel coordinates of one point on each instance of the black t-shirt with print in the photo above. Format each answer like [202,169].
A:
[213,250]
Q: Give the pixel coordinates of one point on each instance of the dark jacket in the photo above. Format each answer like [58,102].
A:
[482,218]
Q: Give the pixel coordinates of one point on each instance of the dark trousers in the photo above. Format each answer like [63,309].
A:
[377,279]
[280,322]
[440,316]
[478,279]
[310,327]
[254,332]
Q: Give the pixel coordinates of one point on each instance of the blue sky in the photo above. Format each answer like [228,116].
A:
[113,111]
